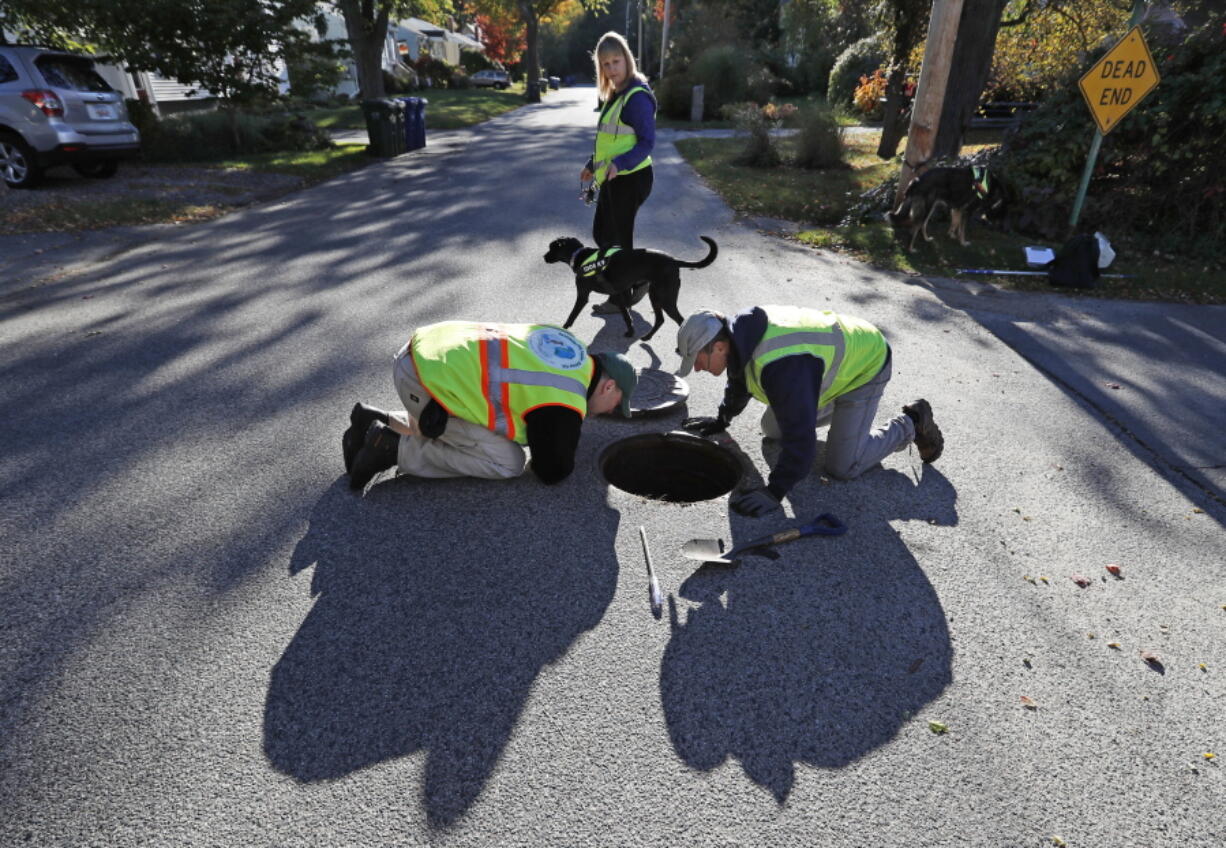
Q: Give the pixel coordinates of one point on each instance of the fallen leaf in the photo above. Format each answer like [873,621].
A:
[1091,635]
[1056,840]
[915,666]
[938,727]
[1114,569]
[1113,385]
[1081,580]
[1203,667]
[1115,645]
[1198,510]
[1029,703]
[1153,659]
[1209,755]
[1044,579]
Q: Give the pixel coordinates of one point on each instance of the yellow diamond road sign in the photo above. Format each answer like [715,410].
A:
[1119,80]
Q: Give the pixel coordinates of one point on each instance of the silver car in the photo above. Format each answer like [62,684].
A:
[498,79]
[55,109]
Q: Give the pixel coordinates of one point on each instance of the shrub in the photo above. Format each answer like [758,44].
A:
[860,59]
[757,122]
[313,75]
[869,92]
[1154,185]
[673,95]
[200,136]
[762,85]
[819,144]
[723,72]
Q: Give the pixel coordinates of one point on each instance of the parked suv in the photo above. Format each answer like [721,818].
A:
[498,79]
[56,110]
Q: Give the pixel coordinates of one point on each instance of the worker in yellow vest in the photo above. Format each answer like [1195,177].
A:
[476,394]
[811,368]
[620,168]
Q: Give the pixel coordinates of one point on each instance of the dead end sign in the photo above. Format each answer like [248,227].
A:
[1119,80]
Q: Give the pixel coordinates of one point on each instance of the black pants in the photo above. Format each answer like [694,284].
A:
[617,204]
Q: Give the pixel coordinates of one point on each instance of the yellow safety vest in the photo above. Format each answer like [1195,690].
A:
[495,374]
[852,351]
[613,138]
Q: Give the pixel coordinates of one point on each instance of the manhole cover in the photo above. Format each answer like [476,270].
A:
[670,467]
[657,392]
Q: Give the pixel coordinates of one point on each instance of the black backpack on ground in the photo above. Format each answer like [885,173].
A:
[1076,265]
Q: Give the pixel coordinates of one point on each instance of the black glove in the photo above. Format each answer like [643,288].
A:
[704,425]
[755,503]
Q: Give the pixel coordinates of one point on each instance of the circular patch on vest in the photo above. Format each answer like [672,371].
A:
[557,348]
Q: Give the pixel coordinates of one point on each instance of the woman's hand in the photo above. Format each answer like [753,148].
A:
[585,175]
[611,173]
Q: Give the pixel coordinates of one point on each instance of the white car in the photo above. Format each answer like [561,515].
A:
[498,79]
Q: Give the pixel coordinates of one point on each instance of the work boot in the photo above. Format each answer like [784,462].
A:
[360,420]
[928,438]
[378,453]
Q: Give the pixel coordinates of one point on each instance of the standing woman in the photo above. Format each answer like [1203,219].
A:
[625,136]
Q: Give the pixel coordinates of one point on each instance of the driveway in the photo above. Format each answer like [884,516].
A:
[207,640]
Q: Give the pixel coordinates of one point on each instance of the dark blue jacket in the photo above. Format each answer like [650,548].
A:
[792,385]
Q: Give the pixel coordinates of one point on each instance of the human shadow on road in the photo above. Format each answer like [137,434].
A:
[820,656]
[438,603]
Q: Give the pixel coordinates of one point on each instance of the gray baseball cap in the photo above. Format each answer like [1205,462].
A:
[695,333]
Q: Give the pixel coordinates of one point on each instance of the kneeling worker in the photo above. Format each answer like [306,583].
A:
[475,394]
[811,368]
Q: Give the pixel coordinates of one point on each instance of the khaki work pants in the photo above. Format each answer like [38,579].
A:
[464,450]
[853,445]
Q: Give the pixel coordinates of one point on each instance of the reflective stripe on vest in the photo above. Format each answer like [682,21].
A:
[852,351]
[613,138]
[595,263]
[495,374]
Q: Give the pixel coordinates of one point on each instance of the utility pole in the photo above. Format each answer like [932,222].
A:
[930,93]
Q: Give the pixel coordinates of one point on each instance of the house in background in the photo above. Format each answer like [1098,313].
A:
[407,40]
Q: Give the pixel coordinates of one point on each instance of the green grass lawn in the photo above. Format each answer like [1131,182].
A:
[313,166]
[819,200]
[446,109]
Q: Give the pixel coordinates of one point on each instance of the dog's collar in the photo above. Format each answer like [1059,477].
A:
[573,256]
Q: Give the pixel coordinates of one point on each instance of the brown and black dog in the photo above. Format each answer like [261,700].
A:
[623,274]
[966,191]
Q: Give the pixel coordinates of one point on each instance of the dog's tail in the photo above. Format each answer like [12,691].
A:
[706,260]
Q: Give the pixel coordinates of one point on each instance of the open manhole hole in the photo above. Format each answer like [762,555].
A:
[670,467]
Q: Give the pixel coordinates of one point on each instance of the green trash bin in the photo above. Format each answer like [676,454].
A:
[385,126]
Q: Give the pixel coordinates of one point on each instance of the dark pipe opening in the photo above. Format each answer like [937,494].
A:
[670,467]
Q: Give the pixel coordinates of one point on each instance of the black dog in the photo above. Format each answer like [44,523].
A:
[965,191]
[623,274]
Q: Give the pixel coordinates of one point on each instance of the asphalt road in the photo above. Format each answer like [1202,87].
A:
[205,639]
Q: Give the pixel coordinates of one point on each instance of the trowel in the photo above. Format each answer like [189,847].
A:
[712,550]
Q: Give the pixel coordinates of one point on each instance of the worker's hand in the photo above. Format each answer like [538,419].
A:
[704,425]
[755,503]
[585,175]
[611,172]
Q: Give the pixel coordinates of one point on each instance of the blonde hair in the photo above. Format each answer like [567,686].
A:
[609,44]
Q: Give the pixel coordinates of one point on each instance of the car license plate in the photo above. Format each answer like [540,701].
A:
[103,112]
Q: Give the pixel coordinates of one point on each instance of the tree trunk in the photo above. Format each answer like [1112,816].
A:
[968,74]
[893,127]
[532,55]
[909,19]
[366,27]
